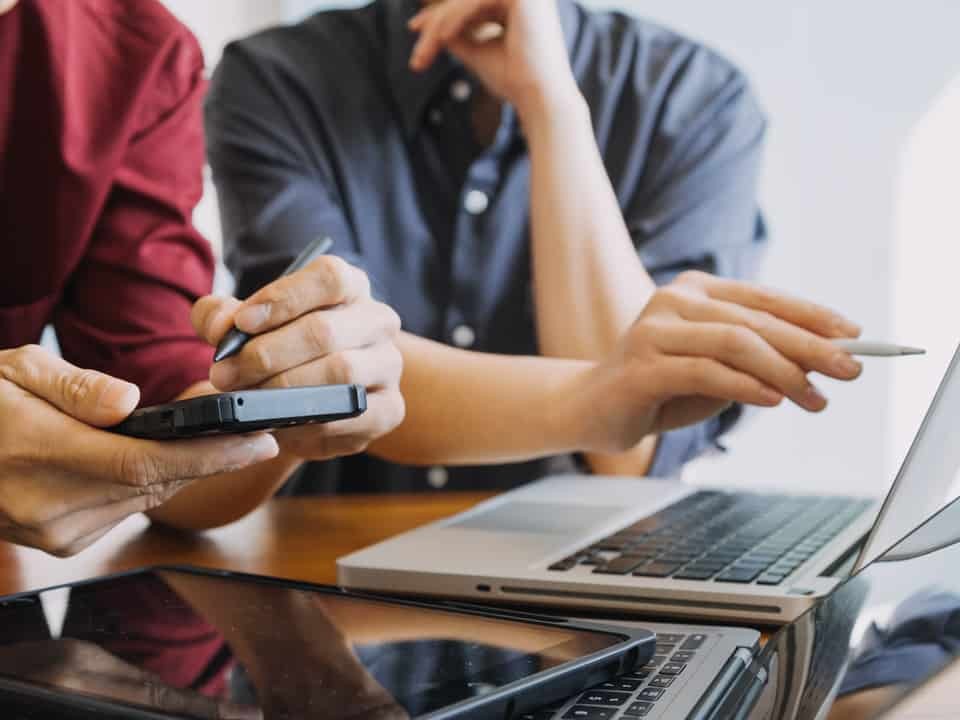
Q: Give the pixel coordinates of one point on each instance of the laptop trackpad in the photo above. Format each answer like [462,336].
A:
[534,517]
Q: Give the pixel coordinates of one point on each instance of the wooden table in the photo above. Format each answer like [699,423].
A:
[297,538]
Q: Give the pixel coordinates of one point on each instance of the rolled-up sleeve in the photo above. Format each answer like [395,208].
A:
[274,189]
[696,206]
[126,310]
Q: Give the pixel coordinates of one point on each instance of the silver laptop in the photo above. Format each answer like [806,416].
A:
[652,546]
[861,652]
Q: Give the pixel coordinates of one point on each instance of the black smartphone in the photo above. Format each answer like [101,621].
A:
[188,643]
[245,411]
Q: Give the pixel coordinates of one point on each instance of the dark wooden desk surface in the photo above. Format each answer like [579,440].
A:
[297,538]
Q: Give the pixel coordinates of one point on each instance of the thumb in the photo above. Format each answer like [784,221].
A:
[86,395]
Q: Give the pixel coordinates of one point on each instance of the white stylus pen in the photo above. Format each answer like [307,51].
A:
[876,349]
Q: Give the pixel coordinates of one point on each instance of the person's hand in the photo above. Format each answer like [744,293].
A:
[700,344]
[319,326]
[515,47]
[64,482]
[88,669]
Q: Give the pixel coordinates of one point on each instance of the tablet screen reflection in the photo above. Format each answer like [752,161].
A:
[215,647]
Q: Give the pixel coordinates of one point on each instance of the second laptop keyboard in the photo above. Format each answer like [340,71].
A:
[723,537]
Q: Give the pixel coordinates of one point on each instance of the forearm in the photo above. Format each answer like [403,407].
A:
[589,283]
[222,499]
[475,408]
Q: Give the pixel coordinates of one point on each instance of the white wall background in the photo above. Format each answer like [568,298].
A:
[860,189]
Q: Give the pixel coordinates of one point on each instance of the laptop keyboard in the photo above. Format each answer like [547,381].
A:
[722,537]
[635,694]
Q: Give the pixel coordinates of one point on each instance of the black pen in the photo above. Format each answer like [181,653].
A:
[234,340]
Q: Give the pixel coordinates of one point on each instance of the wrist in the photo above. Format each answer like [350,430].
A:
[542,108]
[567,410]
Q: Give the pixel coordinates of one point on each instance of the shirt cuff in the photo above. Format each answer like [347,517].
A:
[678,447]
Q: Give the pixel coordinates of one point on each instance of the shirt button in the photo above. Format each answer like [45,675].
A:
[476,202]
[463,336]
[437,477]
[461,91]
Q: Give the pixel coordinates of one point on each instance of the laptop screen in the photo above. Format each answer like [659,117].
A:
[888,629]
[929,475]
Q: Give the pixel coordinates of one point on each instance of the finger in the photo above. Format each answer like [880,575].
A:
[706,377]
[375,368]
[385,411]
[212,317]
[741,349]
[45,500]
[462,17]
[427,47]
[89,396]
[72,533]
[809,350]
[83,543]
[813,317]
[75,533]
[454,26]
[324,283]
[304,340]
[126,461]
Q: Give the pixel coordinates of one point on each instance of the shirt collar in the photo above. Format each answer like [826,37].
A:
[413,91]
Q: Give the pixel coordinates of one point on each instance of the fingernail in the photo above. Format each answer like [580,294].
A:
[119,395]
[250,450]
[252,318]
[813,399]
[845,365]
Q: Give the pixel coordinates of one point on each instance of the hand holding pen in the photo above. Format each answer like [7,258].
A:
[317,324]
[234,340]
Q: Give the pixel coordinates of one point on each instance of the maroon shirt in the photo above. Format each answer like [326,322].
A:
[101,157]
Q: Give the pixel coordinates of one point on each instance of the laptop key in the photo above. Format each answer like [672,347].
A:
[672,668]
[694,573]
[586,712]
[640,674]
[770,579]
[621,684]
[650,693]
[661,681]
[604,697]
[639,709]
[739,575]
[664,648]
[693,642]
[681,656]
[670,638]
[657,569]
[618,566]
[565,564]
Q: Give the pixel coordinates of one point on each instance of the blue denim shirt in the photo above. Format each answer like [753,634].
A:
[321,128]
